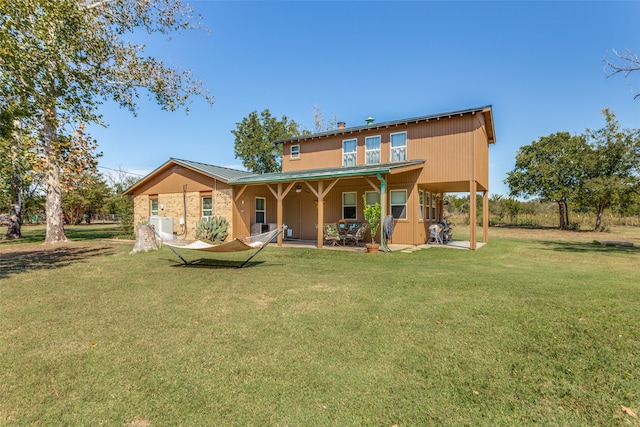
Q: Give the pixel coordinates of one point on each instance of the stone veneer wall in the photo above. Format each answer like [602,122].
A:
[173,204]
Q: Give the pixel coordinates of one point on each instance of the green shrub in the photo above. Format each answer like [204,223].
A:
[212,228]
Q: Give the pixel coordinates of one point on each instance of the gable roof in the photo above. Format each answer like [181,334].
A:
[486,110]
[212,171]
[328,173]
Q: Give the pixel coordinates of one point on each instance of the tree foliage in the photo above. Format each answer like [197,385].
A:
[63,58]
[254,137]
[612,170]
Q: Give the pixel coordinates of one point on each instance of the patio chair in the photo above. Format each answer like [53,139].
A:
[331,235]
[356,235]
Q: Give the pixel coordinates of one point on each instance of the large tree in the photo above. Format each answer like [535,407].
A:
[550,169]
[612,169]
[254,137]
[17,156]
[65,57]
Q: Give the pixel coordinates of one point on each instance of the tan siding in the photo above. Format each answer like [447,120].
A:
[447,145]
[172,181]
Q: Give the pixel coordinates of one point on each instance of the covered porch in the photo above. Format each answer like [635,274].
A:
[307,200]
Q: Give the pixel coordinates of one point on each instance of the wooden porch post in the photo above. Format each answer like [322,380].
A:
[472,214]
[279,212]
[485,216]
[320,221]
[279,195]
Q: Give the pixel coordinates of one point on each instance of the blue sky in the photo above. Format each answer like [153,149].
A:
[539,64]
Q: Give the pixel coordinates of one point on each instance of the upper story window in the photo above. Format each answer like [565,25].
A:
[261,210]
[295,151]
[349,205]
[349,152]
[207,206]
[153,206]
[372,149]
[399,147]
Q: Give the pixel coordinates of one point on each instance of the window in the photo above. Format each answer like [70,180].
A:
[154,206]
[433,207]
[399,147]
[372,197]
[261,210]
[349,206]
[428,205]
[295,151]
[398,204]
[372,149]
[349,152]
[421,212]
[207,206]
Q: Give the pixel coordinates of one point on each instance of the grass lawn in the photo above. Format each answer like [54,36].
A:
[537,327]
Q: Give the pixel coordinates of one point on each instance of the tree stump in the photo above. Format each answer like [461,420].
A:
[145,239]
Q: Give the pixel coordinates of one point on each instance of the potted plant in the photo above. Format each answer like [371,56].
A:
[372,215]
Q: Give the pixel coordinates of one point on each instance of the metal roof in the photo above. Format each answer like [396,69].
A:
[328,173]
[219,172]
[484,109]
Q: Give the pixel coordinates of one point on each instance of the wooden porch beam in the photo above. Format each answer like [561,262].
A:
[237,196]
[372,184]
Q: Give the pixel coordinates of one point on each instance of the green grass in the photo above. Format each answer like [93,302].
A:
[534,328]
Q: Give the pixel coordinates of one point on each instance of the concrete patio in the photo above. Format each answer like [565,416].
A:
[455,244]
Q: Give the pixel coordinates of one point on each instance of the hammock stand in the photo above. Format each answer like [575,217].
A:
[238,244]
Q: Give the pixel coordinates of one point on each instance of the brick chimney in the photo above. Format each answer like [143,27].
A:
[341,125]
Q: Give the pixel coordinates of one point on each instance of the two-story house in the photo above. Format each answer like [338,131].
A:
[405,165]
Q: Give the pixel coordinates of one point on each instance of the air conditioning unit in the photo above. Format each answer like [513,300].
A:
[163,225]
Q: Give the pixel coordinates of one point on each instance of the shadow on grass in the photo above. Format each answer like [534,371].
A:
[589,247]
[17,262]
[83,232]
[216,263]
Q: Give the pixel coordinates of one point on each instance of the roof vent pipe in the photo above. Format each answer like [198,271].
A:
[370,120]
[341,125]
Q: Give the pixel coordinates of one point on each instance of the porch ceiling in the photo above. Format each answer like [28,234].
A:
[452,187]
[329,173]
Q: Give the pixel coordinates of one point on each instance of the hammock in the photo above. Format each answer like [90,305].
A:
[238,244]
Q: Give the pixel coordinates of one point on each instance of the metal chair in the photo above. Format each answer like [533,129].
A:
[435,234]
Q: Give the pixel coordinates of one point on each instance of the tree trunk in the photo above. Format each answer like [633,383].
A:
[15,211]
[561,209]
[566,214]
[53,204]
[145,239]
[14,230]
[599,213]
